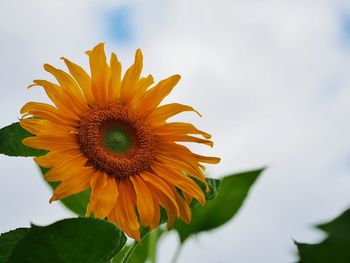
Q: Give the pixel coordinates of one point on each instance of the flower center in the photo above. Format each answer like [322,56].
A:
[116,141]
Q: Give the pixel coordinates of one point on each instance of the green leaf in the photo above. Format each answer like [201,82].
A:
[232,192]
[335,248]
[214,185]
[11,138]
[78,240]
[141,252]
[77,203]
[9,240]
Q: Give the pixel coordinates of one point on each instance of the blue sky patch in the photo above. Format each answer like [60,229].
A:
[345,27]
[119,25]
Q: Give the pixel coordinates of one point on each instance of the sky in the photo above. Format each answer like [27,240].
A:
[269,77]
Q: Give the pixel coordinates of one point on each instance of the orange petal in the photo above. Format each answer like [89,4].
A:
[48,112]
[141,88]
[179,128]
[82,78]
[160,184]
[180,150]
[181,181]
[104,195]
[68,168]
[168,205]
[162,113]
[188,198]
[156,217]
[73,185]
[44,127]
[154,96]
[69,86]
[185,211]
[115,79]
[182,138]
[59,98]
[183,165]
[117,216]
[54,158]
[132,75]
[99,73]
[144,200]
[49,142]
[127,204]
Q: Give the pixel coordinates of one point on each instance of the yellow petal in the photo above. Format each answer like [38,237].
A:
[154,96]
[161,185]
[115,79]
[73,185]
[127,204]
[180,150]
[54,158]
[104,195]
[59,98]
[182,138]
[185,211]
[162,113]
[144,200]
[129,82]
[82,78]
[142,86]
[179,128]
[67,169]
[168,205]
[182,165]
[69,86]
[156,217]
[48,112]
[181,181]
[44,127]
[99,73]
[49,142]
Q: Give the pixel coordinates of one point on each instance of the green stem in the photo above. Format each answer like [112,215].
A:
[152,245]
[177,253]
[130,252]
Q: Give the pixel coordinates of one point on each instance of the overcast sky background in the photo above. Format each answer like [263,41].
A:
[271,78]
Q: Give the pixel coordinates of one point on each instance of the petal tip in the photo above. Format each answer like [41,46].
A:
[98,47]
[53,198]
[138,52]
[218,159]
[48,67]
[177,76]
[32,85]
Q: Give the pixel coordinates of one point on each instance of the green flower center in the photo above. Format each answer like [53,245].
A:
[117,140]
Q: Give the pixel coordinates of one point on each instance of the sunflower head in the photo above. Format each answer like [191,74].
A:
[109,133]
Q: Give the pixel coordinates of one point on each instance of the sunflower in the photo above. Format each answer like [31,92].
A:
[110,134]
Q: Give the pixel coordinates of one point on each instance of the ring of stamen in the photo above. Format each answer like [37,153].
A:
[116,141]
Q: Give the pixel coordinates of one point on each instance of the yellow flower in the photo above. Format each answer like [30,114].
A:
[109,133]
